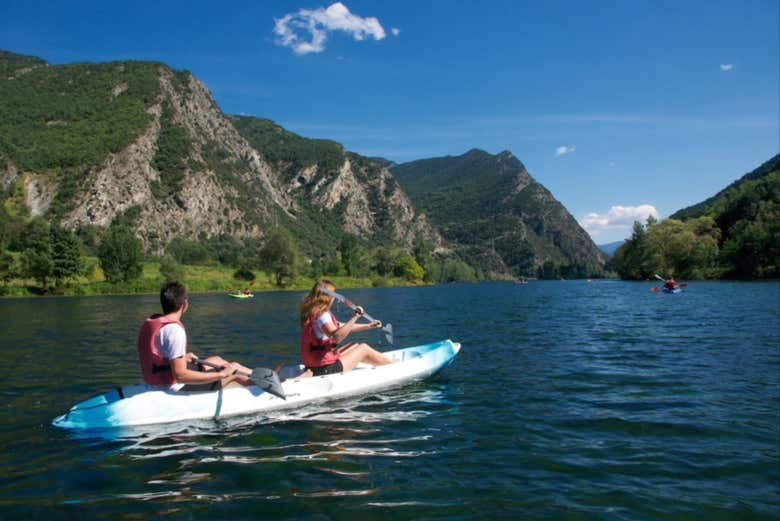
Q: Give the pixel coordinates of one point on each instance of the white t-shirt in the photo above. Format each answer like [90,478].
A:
[172,341]
[319,325]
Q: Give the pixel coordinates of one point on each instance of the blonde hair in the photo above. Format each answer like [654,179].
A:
[316,301]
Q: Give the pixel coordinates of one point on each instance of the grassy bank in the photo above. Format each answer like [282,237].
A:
[199,279]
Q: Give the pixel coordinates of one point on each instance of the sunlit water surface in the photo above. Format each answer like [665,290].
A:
[569,400]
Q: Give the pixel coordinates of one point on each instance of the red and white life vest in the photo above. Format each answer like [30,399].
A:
[316,352]
[156,369]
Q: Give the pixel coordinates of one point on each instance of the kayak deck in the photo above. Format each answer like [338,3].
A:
[140,404]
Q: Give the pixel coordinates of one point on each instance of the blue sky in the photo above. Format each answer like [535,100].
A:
[620,108]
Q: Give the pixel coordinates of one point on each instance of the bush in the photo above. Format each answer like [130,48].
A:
[187,252]
[171,270]
[409,269]
[244,273]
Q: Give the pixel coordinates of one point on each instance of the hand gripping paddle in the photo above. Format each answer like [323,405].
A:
[388,328]
[266,379]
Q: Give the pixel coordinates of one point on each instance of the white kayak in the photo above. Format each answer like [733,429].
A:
[141,404]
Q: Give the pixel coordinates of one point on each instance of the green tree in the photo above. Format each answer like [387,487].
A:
[635,260]
[549,270]
[8,268]
[408,268]
[171,270]
[244,272]
[385,259]
[4,233]
[753,250]
[421,250]
[455,270]
[120,254]
[37,255]
[280,257]
[354,256]
[66,254]
[187,251]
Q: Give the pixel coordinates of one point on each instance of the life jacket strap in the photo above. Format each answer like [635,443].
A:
[160,368]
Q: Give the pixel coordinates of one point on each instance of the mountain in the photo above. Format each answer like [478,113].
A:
[497,215]
[611,247]
[85,145]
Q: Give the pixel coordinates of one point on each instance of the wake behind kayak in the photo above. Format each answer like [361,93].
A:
[141,404]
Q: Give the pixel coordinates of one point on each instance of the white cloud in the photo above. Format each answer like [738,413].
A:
[562,151]
[306,31]
[726,67]
[617,218]
[396,31]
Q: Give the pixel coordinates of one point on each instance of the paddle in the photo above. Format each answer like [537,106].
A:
[264,378]
[388,328]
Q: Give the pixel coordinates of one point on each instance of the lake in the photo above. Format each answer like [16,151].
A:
[568,400]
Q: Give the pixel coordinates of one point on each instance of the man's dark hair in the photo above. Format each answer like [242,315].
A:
[172,297]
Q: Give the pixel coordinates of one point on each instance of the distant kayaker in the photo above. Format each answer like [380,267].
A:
[162,349]
[321,332]
[671,283]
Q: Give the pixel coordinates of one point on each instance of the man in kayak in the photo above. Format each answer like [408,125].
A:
[321,333]
[671,284]
[162,349]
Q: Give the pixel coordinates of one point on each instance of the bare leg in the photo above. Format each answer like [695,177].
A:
[237,379]
[358,353]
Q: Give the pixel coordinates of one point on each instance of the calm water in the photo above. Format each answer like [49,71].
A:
[569,400]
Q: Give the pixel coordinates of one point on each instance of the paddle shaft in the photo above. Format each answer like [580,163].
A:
[388,328]
[351,305]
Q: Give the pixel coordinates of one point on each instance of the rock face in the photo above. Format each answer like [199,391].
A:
[323,180]
[203,205]
[223,184]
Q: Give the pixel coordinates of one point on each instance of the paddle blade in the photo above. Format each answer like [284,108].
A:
[654,290]
[388,329]
[267,380]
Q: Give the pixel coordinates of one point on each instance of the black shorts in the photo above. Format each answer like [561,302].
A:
[327,369]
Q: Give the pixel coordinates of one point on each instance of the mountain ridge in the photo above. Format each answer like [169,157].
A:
[87,145]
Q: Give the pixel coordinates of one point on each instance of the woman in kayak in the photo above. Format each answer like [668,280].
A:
[321,333]
[671,284]
[162,349]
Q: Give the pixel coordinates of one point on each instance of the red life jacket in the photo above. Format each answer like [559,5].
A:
[316,352]
[156,369]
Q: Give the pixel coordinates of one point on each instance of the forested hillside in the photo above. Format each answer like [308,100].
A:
[499,216]
[734,234]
